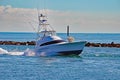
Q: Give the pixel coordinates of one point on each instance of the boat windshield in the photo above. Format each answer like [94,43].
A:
[52,42]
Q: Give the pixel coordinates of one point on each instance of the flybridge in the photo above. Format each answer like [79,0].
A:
[44,27]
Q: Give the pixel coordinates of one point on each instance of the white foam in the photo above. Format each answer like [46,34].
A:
[29,52]
[15,53]
[3,51]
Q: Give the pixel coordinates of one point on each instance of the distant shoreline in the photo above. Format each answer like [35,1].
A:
[88,44]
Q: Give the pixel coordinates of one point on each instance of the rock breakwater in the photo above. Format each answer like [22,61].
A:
[88,44]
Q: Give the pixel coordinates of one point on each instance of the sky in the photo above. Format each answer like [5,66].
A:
[83,16]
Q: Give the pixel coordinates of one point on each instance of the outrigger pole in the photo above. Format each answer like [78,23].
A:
[68,31]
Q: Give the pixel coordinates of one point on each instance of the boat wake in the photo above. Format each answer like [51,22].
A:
[30,52]
[27,52]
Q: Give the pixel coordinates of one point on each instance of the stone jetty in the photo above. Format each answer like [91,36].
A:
[17,43]
[112,44]
[88,44]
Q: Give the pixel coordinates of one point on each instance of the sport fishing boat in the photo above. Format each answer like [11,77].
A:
[49,44]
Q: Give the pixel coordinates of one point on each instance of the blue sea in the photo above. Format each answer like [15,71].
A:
[95,63]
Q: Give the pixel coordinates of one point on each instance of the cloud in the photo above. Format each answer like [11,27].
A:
[17,19]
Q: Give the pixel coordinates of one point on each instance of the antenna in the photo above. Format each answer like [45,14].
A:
[38,19]
[45,7]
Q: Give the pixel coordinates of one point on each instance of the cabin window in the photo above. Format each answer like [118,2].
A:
[52,42]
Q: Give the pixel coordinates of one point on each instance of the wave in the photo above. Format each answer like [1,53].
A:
[112,55]
[31,52]
[3,51]
[27,52]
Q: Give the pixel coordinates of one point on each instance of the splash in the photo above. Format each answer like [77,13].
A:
[16,53]
[27,52]
[32,52]
[3,51]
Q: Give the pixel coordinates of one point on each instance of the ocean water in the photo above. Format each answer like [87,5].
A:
[90,37]
[95,63]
